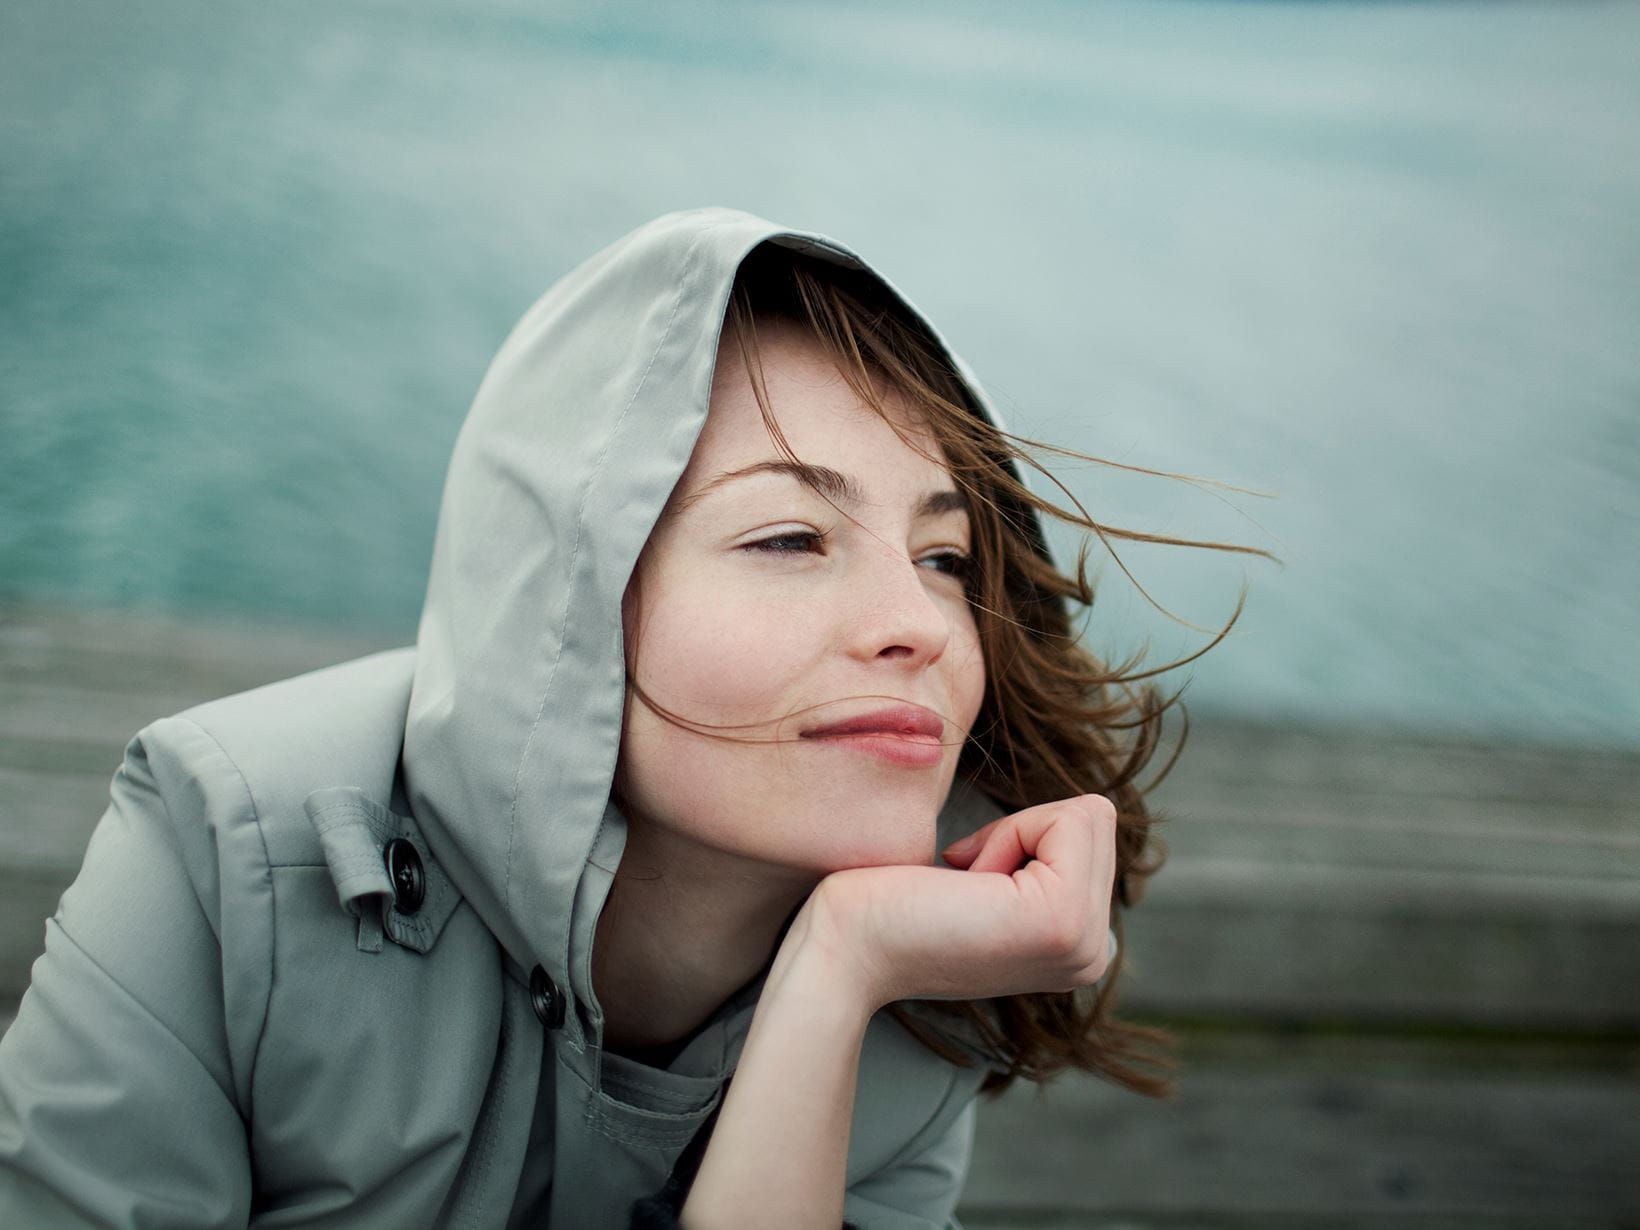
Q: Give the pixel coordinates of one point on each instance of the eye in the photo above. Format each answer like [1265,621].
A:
[950,561]
[790,542]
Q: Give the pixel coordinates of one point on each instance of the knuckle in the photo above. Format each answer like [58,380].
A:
[1081,978]
[1099,809]
[1089,962]
[1062,938]
[1079,973]
[1091,974]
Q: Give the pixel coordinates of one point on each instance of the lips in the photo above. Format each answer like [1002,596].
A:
[903,721]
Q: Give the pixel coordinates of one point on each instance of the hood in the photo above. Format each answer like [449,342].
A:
[579,432]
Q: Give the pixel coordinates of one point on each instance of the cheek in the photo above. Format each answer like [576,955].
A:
[715,660]
[968,670]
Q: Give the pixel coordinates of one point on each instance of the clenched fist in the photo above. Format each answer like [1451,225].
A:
[1025,908]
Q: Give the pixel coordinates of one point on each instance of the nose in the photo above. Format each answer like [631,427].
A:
[895,617]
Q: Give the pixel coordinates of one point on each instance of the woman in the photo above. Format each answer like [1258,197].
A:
[735,603]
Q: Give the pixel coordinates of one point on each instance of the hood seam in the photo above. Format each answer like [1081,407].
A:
[575,552]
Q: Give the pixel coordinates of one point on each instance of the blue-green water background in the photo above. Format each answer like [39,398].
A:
[1381,261]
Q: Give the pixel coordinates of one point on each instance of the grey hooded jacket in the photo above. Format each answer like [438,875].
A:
[328,961]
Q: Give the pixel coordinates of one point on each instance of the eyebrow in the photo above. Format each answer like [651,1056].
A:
[833,484]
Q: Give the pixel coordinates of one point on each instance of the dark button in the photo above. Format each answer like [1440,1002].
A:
[409,881]
[546,999]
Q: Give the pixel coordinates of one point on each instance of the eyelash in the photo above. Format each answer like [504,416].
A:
[951,562]
[810,541]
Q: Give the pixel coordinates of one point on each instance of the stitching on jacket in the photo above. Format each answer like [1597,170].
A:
[662,1131]
[484,1144]
[420,931]
[630,1124]
[146,1011]
[344,813]
[677,1103]
[267,876]
[340,812]
[662,1135]
[575,551]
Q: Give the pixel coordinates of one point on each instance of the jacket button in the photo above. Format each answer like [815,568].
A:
[409,881]
[546,999]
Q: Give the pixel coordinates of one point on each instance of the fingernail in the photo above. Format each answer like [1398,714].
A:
[963,846]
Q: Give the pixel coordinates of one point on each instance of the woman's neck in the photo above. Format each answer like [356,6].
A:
[684,927]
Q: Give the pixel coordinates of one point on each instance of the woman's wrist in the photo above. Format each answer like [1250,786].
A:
[822,959]
[778,1153]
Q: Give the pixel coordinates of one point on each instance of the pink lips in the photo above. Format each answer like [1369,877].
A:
[907,735]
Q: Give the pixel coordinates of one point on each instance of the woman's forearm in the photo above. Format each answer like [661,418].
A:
[777,1156]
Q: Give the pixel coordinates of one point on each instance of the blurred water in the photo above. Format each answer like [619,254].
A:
[1380,261]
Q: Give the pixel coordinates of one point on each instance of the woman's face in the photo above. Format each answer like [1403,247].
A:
[827,628]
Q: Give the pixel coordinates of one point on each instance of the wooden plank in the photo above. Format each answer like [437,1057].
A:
[97,677]
[1275,945]
[1223,753]
[1327,1132]
[27,899]
[1452,836]
[122,651]
[85,718]
[48,818]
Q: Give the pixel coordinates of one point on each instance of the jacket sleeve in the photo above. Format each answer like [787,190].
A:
[118,1102]
[919,1190]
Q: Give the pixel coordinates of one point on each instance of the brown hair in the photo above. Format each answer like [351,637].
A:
[1055,721]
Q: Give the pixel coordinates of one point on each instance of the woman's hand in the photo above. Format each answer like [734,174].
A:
[991,927]
[872,935]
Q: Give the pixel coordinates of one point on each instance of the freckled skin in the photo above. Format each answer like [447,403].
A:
[757,601]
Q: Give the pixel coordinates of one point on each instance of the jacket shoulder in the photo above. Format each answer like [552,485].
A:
[209,1030]
[265,750]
